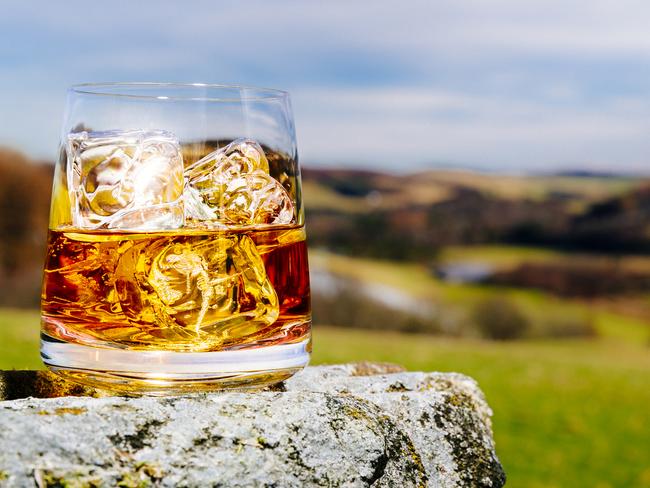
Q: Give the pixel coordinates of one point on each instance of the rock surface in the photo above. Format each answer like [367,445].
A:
[348,425]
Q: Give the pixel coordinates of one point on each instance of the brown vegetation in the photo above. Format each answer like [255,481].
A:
[581,278]
[24,203]
[500,319]
[470,208]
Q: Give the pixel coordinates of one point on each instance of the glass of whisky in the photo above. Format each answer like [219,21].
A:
[176,256]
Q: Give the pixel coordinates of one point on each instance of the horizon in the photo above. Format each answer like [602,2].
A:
[433,167]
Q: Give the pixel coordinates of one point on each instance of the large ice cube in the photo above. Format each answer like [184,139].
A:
[178,289]
[125,180]
[232,185]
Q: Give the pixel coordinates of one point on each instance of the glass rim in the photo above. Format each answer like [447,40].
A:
[106,89]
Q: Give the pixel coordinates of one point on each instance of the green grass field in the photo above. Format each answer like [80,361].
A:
[569,413]
[19,335]
[573,413]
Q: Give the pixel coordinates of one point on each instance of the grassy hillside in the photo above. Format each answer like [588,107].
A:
[625,316]
[565,413]
[569,412]
[410,217]
[346,190]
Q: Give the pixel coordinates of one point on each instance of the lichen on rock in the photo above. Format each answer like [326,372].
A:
[343,425]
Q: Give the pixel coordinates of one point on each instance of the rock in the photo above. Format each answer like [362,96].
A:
[345,425]
[17,384]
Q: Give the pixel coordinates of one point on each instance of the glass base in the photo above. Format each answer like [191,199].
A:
[136,372]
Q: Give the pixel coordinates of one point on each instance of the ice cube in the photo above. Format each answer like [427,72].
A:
[232,185]
[239,157]
[125,180]
[256,198]
[179,289]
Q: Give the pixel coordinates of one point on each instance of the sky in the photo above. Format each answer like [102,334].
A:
[390,85]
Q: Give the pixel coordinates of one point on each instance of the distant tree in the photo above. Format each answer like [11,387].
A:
[24,203]
[500,319]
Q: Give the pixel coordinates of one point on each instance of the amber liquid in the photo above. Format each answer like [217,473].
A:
[186,290]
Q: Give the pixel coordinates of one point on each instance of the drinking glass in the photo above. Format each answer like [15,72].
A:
[176,257]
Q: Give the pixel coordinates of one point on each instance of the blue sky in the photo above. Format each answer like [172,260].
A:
[398,85]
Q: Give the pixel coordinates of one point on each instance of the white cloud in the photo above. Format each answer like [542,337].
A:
[396,84]
[400,129]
